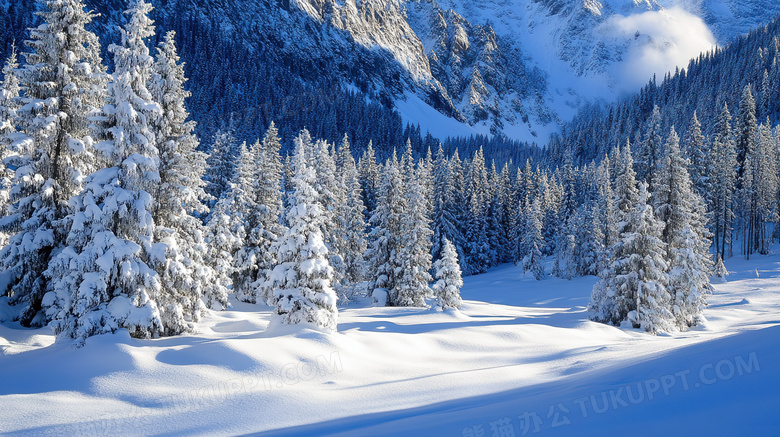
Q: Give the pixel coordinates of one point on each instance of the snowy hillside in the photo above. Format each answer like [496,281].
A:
[517,346]
[518,67]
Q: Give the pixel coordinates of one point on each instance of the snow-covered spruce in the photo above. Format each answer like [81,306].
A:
[370,179]
[446,206]
[414,253]
[223,242]
[268,227]
[105,279]
[532,242]
[685,235]
[243,215]
[221,164]
[186,279]
[9,103]
[301,281]
[633,287]
[476,227]
[350,217]
[63,82]
[448,277]
[385,235]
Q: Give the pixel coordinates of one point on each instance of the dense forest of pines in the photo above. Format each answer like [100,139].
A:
[115,217]
[246,96]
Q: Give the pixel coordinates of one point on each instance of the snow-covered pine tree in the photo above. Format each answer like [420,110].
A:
[532,241]
[766,188]
[551,195]
[565,262]
[244,214]
[104,280]
[448,277]
[720,270]
[508,224]
[444,224]
[221,164]
[302,278]
[63,81]
[633,287]
[186,279]
[724,157]
[476,237]
[287,176]
[414,254]
[383,268]
[685,235]
[626,193]
[370,179]
[523,198]
[747,166]
[9,95]
[744,131]
[460,207]
[223,241]
[700,161]
[321,160]
[603,302]
[651,148]
[588,239]
[605,218]
[640,283]
[497,235]
[351,241]
[267,228]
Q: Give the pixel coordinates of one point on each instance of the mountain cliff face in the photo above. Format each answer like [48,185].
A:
[392,51]
[517,67]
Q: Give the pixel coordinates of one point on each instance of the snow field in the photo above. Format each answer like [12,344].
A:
[517,346]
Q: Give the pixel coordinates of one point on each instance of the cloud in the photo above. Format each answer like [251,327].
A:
[656,42]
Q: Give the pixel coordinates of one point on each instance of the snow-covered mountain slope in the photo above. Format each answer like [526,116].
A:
[518,345]
[597,49]
[397,52]
[729,18]
[521,67]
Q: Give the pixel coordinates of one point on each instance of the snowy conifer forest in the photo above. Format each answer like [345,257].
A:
[199,242]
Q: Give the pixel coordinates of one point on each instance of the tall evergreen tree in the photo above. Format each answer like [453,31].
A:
[223,242]
[444,223]
[385,243]
[63,82]
[414,254]
[267,227]
[532,241]
[634,289]
[681,212]
[477,244]
[351,242]
[605,218]
[745,144]
[301,281]
[448,277]
[323,163]
[105,279]
[700,163]
[244,211]
[9,96]
[221,164]
[724,172]
[370,179]
[765,189]
[651,148]
[185,276]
